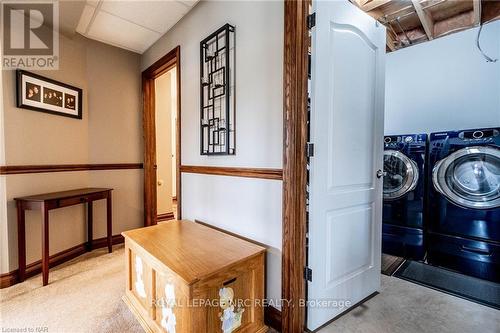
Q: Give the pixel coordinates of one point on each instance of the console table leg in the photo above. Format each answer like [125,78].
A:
[90,221]
[45,245]
[109,222]
[21,241]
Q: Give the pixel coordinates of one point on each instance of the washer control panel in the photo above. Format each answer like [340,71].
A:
[395,141]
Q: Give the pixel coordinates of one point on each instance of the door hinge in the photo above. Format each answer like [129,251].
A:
[309,149]
[308,274]
[311,21]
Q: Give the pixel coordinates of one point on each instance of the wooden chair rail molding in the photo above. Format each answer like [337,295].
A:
[22,169]
[263,173]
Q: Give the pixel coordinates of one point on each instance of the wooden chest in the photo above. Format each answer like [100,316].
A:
[186,277]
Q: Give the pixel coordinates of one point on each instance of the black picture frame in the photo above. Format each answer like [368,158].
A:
[33,93]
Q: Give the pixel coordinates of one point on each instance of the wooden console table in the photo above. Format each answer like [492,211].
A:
[49,201]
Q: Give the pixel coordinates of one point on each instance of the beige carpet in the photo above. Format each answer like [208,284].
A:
[83,295]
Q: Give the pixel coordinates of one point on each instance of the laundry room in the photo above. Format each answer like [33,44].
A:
[403,164]
[441,211]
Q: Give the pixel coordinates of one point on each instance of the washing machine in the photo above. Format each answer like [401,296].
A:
[403,194]
[464,202]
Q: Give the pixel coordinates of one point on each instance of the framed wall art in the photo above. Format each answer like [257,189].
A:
[217,81]
[38,93]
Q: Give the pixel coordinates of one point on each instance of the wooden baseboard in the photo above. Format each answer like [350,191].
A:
[165,217]
[11,278]
[8,279]
[272,317]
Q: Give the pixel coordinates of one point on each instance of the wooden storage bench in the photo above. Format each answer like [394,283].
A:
[186,277]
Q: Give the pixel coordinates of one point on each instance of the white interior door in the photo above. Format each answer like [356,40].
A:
[347,96]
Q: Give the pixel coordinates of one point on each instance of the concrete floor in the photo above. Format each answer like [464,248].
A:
[406,307]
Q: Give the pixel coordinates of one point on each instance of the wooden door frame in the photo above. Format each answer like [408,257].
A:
[170,60]
[295,76]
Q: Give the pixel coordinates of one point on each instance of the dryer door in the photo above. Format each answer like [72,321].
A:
[470,177]
[400,174]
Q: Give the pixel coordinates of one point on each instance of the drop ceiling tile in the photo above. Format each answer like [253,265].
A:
[83,24]
[155,15]
[119,32]
[189,3]
[93,3]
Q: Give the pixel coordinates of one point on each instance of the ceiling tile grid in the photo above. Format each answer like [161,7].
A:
[131,25]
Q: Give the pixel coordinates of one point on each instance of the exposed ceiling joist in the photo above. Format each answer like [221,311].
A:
[374,4]
[391,42]
[490,10]
[425,19]
[360,3]
[477,12]
[410,22]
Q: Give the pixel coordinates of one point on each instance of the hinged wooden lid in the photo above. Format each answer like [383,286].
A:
[191,250]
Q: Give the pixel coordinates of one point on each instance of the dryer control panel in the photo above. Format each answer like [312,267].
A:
[454,140]
[487,135]
[399,141]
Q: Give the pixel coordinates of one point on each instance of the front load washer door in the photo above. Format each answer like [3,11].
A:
[470,177]
[400,174]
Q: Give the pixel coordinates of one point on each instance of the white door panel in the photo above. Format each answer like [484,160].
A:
[345,212]
[342,265]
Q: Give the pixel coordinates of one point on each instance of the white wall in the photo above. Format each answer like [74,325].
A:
[250,207]
[444,84]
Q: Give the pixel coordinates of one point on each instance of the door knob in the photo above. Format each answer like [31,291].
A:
[380,173]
